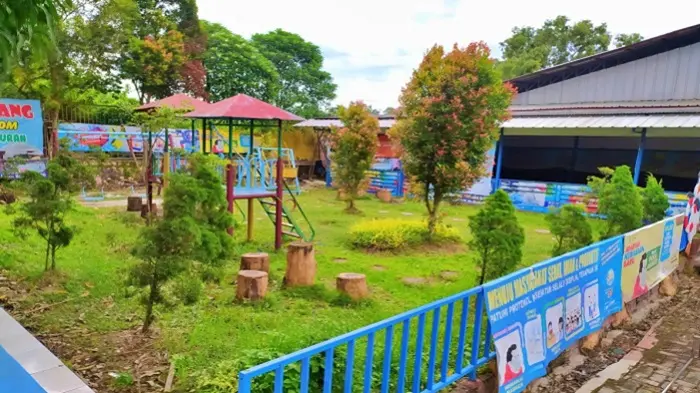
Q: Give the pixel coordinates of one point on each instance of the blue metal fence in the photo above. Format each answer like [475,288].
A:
[458,343]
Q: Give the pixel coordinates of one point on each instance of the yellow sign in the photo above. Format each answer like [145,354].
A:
[651,254]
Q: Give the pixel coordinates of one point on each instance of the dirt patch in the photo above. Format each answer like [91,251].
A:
[543,231]
[415,281]
[441,248]
[379,268]
[340,260]
[449,275]
[96,357]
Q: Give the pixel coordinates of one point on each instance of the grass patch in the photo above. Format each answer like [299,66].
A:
[392,234]
[216,336]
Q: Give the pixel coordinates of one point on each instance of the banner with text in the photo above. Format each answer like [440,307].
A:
[651,254]
[21,137]
[536,313]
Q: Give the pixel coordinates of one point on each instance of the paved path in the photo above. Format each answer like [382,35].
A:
[662,354]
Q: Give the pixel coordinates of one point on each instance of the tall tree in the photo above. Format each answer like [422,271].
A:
[305,88]
[354,147]
[28,21]
[558,41]
[153,64]
[88,39]
[235,66]
[448,120]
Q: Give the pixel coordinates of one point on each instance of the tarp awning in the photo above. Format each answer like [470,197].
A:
[626,122]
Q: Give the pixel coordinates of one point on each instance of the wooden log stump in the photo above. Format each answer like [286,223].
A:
[353,285]
[668,287]
[384,195]
[251,285]
[144,210]
[301,264]
[256,261]
[134,203]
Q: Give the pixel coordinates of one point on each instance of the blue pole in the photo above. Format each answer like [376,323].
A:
[329,179]
[640,156]
[499,162]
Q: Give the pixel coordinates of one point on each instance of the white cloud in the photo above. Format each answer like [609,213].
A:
[375,44]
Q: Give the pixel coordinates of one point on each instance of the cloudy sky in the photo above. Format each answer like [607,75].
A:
[371,46]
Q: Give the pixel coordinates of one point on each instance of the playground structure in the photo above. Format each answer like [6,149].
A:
[258,174]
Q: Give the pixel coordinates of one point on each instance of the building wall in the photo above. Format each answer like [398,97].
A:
[672,75]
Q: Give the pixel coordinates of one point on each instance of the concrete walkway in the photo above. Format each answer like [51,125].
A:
[26,366]
[661,358]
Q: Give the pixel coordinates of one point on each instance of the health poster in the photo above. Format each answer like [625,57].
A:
[651,254]
[537,313]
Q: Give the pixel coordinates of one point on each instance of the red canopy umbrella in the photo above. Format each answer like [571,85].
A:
[245,107]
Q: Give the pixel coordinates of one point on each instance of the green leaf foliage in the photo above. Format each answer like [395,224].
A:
[234,66]
[557,41]
[305,88]
[448,120]
[618,200]
[354,147]
[654,200]
[497,238]
[193,228]
[570,228]
[48,201]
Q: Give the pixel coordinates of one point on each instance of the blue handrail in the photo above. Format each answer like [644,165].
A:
[452,366]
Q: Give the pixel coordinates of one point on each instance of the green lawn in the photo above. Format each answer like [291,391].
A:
[217,328]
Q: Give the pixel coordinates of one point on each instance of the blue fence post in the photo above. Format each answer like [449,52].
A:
[403,355]
[476,338]
[499,162]
[418,361]
[329,179]
[640,156]
[386,367]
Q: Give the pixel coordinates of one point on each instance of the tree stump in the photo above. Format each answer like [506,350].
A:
[251,285]
[255,261]
[668,287]
[353,285]
[384,195]
[134,203]
[301,264]
[144,210]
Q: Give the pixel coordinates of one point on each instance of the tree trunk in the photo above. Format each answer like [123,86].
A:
[259,261]
[301,264]
[149,306]
[48,250]
[251,284]
[53,258]
[352,284]
[483,269]
[433,214]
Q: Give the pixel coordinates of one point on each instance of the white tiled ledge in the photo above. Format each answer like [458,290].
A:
[46,369]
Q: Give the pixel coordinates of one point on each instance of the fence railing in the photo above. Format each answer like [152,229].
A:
[422,350]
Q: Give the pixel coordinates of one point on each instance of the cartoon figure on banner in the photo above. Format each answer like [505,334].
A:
[640,284]
[514,363]
[692,217]
[510,355]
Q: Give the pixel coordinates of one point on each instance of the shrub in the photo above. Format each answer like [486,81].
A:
[570,228]
[497,237]
[188,288]
[618,200]
[394,234]
[654,200]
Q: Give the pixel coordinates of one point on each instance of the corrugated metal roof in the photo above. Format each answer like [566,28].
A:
[328,123]
[653,121]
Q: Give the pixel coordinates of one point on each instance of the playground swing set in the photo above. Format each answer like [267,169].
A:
[260,174]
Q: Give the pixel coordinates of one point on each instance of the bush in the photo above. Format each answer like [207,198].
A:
[654,200]
[618,200]
[497,237]
[570,228]
[394,234]
[188,288]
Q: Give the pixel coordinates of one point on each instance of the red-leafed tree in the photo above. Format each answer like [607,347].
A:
[354,147]
[449,117]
